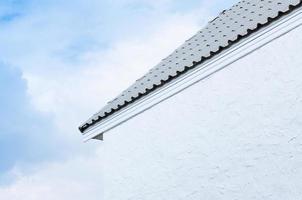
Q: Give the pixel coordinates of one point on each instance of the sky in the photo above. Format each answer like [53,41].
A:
[60,62]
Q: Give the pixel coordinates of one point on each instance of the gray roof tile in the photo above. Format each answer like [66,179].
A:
[240,20]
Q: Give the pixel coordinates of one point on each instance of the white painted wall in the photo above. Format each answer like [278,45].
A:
[236,135]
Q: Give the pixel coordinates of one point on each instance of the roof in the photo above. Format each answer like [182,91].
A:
[232,25]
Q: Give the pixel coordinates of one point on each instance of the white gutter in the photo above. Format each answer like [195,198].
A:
[204,70]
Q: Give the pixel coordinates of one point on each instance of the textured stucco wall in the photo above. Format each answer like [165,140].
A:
[236,135]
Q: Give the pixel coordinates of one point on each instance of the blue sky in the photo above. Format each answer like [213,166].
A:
[57,58]
[21,126]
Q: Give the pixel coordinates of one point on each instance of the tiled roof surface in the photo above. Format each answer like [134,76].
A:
[244,18]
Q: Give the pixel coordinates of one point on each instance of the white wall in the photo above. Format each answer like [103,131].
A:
[236,135]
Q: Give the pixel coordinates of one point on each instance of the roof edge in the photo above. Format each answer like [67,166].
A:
[250,30]
[235,52]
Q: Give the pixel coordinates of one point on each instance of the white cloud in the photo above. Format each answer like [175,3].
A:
[78,178]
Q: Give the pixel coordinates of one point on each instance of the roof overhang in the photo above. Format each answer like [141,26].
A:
[244,47]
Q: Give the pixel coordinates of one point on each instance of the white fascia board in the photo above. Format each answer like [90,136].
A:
[204,70]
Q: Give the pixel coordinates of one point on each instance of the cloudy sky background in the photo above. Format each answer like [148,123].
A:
[60,61]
